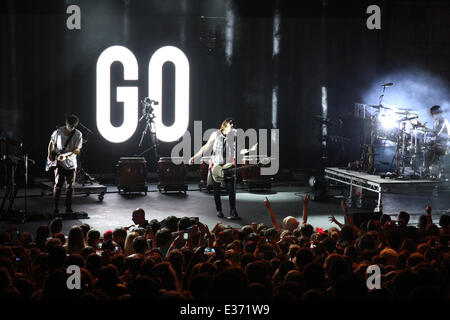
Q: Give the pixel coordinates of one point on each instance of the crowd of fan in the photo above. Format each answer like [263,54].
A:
[180,258]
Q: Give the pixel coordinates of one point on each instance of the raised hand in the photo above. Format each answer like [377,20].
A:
[428,209]
[344,205]
[266,202]
[332,219]
[306,200]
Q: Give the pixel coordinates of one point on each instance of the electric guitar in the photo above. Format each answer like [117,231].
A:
[222,172]
[58,157]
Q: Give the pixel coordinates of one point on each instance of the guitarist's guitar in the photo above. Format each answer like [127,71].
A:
[223,172]
[58,157]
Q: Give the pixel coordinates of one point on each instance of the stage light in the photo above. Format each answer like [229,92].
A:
[127,95]
[276,34]
[179,59]
[275,107]
[312,181]
[388,121]
[229,30]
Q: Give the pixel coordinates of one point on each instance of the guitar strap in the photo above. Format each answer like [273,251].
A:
[68,140]
[224,149]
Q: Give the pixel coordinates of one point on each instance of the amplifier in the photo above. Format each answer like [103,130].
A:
[132,174]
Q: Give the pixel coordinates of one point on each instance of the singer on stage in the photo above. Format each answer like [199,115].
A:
[223,142]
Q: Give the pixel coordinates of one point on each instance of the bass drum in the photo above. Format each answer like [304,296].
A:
[384,157]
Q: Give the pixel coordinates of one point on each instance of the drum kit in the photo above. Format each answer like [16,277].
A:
[397,143]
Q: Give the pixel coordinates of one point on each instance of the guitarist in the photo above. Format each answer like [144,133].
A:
[65,140]
[224,151]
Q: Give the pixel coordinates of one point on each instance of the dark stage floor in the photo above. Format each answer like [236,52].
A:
[286,199]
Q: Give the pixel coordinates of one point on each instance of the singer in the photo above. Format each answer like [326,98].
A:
[223,142]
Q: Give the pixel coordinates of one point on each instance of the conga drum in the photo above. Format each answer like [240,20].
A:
[204,167]
[171,174]
[132,174]
[251,172]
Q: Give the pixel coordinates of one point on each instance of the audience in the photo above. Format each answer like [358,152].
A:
[180,258]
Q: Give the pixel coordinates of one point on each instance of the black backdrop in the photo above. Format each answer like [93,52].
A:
[48,70]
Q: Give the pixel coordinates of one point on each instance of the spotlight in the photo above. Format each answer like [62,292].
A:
[312,181]
[319,188]
[388,121]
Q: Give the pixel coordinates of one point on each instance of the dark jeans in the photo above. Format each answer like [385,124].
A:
[229,183]
[63,175]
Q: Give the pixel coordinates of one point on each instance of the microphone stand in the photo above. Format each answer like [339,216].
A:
[81,172]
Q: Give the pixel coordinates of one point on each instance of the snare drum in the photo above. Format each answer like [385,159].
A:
[171,174]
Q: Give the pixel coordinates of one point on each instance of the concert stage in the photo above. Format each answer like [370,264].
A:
[286,199]
[378,184]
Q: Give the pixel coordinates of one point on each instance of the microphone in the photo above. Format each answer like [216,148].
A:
[390,84]
[86,128]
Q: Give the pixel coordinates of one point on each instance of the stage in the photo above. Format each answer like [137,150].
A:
[379,185]
[286,199]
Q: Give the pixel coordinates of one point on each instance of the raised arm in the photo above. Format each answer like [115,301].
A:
[207,145]
[305,209]
[272,214]
[429,218]
[244,151]
[348,216]
[334,220]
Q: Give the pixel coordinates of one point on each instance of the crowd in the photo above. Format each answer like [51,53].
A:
[181,258]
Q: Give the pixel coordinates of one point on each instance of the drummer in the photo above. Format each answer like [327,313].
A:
[440,132]
[438,135]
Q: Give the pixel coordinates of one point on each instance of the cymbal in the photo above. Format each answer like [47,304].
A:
[20,158]
[379,107]
[407,119]
[9,141]
[424,129]
[406,112]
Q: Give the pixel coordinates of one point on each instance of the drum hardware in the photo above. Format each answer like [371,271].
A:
[403,149]
[379,107]
[407,118]
[396,140]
